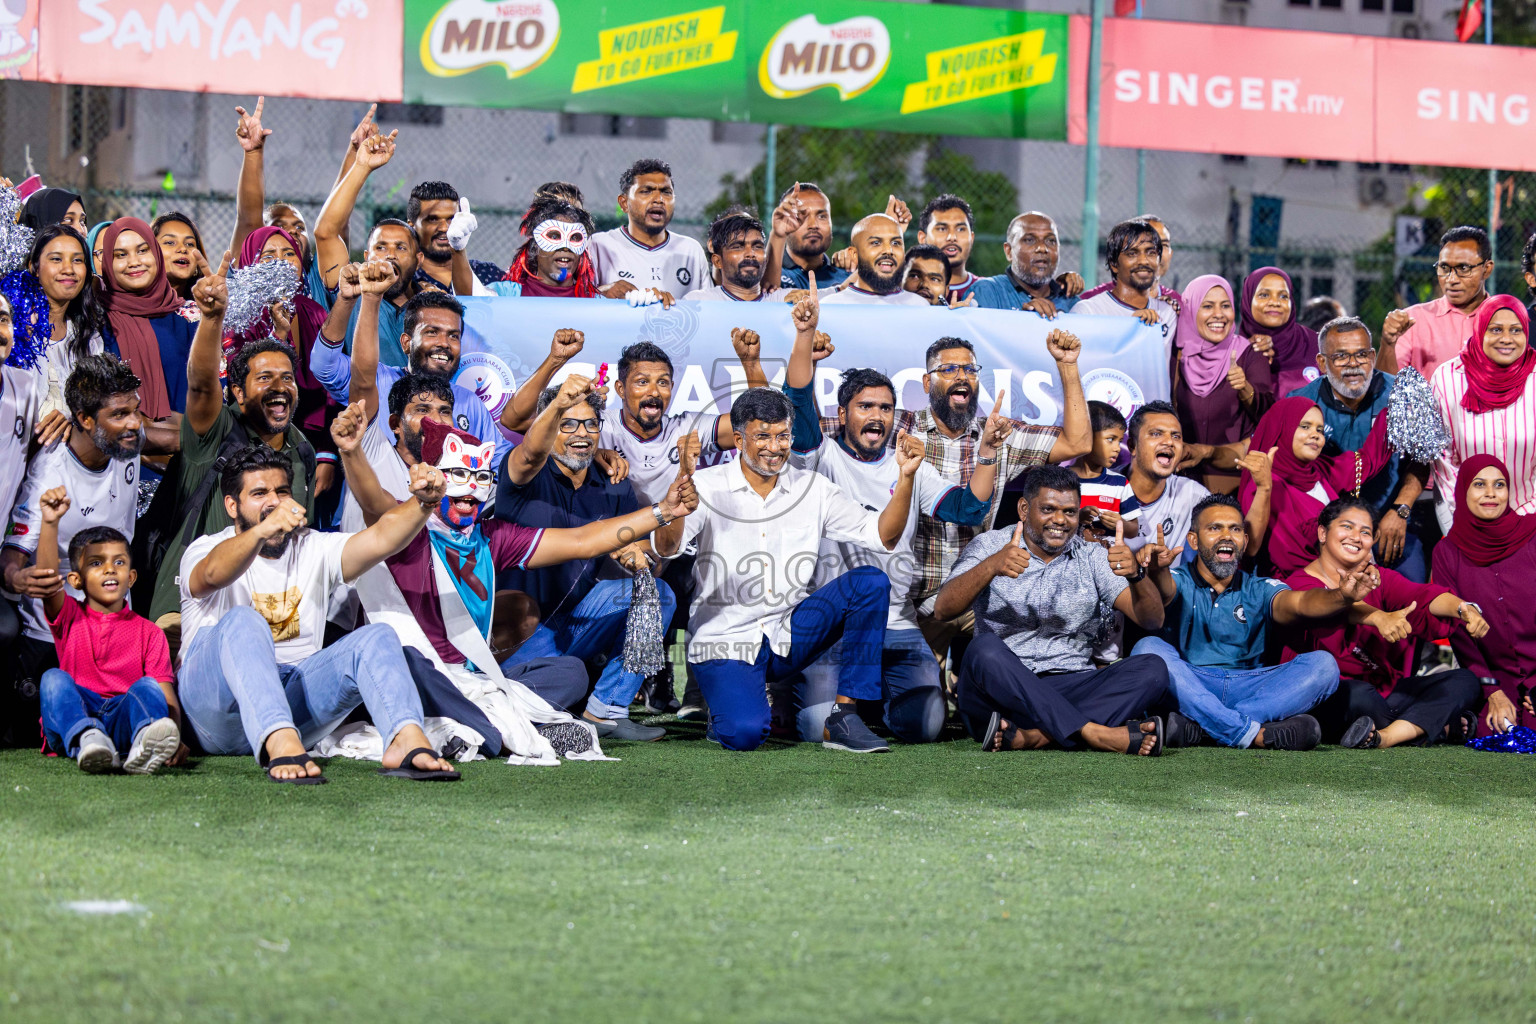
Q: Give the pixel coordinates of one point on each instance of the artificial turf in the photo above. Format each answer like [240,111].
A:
[684,883]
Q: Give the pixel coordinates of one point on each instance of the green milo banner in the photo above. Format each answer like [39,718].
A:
[837,64]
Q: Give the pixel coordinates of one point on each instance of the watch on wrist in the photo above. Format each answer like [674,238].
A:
[986,460]
[661,520]
[1403,510]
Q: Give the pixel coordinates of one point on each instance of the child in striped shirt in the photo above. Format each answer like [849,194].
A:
[1107,498]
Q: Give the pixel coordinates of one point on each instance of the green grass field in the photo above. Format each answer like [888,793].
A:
[793,884]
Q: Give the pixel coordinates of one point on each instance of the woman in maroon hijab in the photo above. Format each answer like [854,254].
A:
[1269,324]
[1304,480]
[1489,557]
[145,316]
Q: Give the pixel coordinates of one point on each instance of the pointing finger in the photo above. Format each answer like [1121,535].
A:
[1159,534]
[223,264]
[811,278]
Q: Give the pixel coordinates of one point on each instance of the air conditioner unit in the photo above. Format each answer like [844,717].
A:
[1383,190]
[1410,28]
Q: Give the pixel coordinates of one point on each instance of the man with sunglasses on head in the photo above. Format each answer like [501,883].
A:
[1427,334]
[951,432]
[548,482]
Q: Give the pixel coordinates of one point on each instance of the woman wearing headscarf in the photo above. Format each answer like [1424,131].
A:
[145,316]
[1303,480]
[300,330]
[1487,399]
[1269,324]
[1221,385]
[61,264]
[49,206]
[181,243]
[1380,702]
[1489,557]
[93,241]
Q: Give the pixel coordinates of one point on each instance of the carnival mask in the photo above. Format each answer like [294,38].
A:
[471,483]
[553,235]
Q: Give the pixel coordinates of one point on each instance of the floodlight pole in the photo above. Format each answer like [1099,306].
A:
[1493,174]
[1090,244]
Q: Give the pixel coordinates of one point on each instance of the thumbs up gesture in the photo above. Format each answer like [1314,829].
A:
[1121,558]
[682,498]
[462,226]
[1157,556]
[1394,626]
[1012,559]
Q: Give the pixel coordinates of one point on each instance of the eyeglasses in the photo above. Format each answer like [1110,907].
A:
[1346,358]
[464,476]
[571,426]
[950,369]
[1457,269]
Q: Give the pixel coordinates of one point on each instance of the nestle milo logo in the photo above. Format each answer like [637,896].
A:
[849,55]
[469,34]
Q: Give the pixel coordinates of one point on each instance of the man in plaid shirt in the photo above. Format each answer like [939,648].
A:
[950,430]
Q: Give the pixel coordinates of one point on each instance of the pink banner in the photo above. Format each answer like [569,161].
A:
[329,49]
[1218,89]
[1459,103]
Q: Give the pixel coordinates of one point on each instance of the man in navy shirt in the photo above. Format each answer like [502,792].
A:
[1215,626]
[802,232]
[549,481]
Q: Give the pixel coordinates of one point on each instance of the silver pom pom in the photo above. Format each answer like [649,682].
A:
[644,632]
[253,289]
[15,239]
[1414,427]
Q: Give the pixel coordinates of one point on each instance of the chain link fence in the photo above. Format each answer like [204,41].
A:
[144,153]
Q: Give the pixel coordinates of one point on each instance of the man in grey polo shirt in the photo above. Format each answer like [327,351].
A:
[1044,599]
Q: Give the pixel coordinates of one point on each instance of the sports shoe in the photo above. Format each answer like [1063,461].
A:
[1183,731]
[657,693]
[566,737]
[155,744]
[97,754]
[690,713]
[1299,732]
[845,730]
[624,729]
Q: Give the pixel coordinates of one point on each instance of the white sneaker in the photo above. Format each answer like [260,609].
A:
[155,744]
[97,754]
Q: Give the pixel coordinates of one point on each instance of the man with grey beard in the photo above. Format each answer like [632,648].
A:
[1350,391]
[950,433]
[1030,282]
[549,482]
[99,466]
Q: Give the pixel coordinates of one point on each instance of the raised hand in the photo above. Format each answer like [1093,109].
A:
[566,344]
[846,259]
[428,485]
[376,277]
[574,390]
[462,226]
[1121,558]
[1264,345]
[897,210]
[1394,626]
[348,427]
[211,292]
[1237,380]
[365,129]
[1260,466]
[789,215]
[1358,585]
[747,344]
[1071,283]
[285,519]
[956,302]
[1063,346]
[1012,559]
[688,449]
[248,127]
[1157,555]
[909,454]
[376,150]
[994,433]
[282,321]
[348,281]
[52,504]
[1393,327]
[807,312]
[682,497]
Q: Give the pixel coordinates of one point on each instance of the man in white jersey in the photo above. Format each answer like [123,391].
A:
[643,253]
[21,399]
[859,462]
[1133,253]
[876,281]
[738,249]
[1167,499]
[99,466]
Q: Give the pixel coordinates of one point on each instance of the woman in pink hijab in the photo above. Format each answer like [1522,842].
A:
[1221,385]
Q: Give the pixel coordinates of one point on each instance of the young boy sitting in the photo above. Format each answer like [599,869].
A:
[114,687]
[1107,498]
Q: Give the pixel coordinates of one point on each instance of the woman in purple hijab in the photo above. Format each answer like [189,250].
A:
[1269,324]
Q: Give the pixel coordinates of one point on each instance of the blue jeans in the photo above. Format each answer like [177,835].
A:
[69,709]
[909,684]
[1231,704]
[235,694]
[851,608]
[594,628]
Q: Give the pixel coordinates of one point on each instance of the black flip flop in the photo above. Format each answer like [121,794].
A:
[297,759]
[1361,735]
[994,726]
[408,771]
[1134,728]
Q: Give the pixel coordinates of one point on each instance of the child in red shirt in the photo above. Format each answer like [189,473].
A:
[113,688]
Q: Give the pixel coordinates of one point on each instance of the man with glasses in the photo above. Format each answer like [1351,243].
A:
[1427,334]
[950,433]
[1350,393]
[549,482]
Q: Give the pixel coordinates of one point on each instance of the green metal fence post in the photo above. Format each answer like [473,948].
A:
[1090,243]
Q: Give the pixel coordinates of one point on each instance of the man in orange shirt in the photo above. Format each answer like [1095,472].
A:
[1430,333]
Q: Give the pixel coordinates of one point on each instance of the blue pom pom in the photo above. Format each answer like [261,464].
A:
[1518,740]
[29,319]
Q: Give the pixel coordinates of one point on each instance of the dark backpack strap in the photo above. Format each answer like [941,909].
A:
[233,442]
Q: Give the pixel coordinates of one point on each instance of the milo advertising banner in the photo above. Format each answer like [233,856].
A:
[840,64]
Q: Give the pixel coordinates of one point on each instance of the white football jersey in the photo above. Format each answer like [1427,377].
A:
[677,265]
[20,400]
[653,461]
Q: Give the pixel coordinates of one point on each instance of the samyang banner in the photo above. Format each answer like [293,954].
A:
[837,63]
[1123,362]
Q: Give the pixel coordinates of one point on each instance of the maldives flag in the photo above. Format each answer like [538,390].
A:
[1468,23]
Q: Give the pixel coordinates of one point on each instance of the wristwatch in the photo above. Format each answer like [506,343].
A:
[1403,510]
[661,520]
[986,460]
[1467,604]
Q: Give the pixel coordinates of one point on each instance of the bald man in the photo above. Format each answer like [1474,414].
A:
[877,278]
[1030,282]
